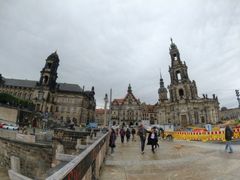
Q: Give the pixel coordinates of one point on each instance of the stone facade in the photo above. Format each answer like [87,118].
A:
[149,113]
[100,116]
[8,114]
[62,100]
[184,107]
[130,110]
[233,113]
[126,110]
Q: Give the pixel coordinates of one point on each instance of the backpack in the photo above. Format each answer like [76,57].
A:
[229,134]
[122,132]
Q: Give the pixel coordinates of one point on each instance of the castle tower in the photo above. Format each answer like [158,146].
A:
[162,91]
[181,86]
[129,88]
[49,72]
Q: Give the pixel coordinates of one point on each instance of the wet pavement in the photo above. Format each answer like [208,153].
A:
[180,160]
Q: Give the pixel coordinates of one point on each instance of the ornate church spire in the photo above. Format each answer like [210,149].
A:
[162,91]
[161,81]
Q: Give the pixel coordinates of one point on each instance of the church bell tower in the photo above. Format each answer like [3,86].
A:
[49,72]
[181,87]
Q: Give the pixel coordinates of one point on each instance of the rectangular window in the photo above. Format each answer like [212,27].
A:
[68,109]
[62,109]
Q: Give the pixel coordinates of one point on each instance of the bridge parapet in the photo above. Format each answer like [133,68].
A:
[87,164]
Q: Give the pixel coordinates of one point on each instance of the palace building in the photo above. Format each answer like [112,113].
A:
[130,110]
[126,110]
[63,101]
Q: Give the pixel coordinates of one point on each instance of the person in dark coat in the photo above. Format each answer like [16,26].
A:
[142,132]
[122,134]
[133,134]
[228,137]
[153,139]
[112,140]
[128,134]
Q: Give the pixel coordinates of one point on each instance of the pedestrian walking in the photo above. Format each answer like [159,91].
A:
[228,137]
[133,134]
[156,132]
[152,139]
[122,134]
[112,140]
[128,134]
[142,134]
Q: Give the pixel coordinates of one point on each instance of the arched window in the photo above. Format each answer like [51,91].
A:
[178,74]
[45,79]
[175,57]
[49,65]
[203,119]
[181,93]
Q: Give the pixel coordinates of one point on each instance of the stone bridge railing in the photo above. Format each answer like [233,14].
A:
[87,164]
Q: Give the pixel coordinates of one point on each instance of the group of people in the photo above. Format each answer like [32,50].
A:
[127,133]
[150,136]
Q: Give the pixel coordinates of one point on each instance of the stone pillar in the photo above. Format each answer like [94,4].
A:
[88,140]
[99,134]
[60,148]
[80,145]
[15,164]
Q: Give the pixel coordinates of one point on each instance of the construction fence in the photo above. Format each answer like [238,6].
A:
[204,136]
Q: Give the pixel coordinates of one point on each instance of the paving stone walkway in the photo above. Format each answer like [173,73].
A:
[178,160]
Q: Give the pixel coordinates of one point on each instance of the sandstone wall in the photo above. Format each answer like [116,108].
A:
[35,159]
[8,114]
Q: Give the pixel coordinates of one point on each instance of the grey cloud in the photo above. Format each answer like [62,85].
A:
[109,44]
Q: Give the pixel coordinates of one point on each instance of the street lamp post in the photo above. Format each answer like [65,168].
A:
[238,97]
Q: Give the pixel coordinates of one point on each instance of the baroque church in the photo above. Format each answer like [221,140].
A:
[63,101]
[184,106]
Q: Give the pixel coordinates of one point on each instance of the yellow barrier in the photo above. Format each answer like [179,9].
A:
[204,136]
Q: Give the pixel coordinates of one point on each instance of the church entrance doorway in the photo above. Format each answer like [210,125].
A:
[183,120]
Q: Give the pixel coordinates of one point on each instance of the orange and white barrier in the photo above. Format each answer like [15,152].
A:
[204,136]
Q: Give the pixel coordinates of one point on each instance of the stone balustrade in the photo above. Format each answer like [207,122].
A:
[87,164]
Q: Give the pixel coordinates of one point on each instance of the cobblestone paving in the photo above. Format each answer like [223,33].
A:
[178,160]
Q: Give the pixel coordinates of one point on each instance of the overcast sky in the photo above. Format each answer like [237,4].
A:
[111,43]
